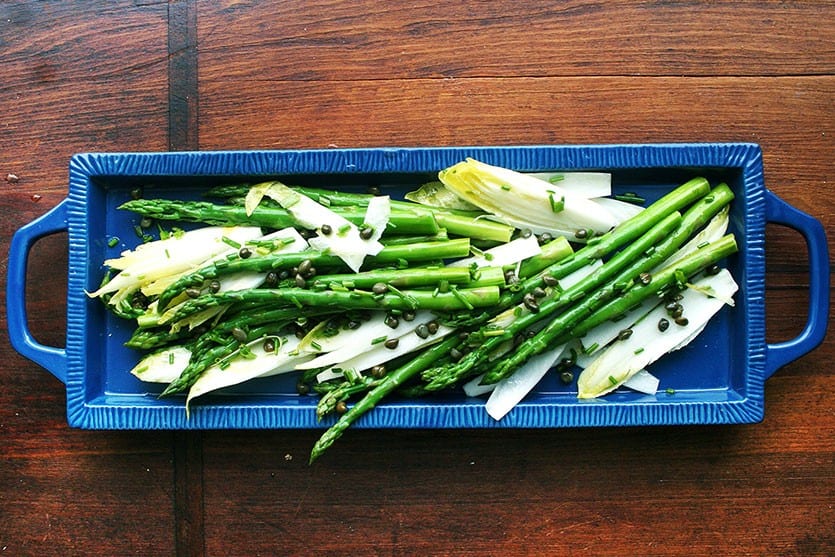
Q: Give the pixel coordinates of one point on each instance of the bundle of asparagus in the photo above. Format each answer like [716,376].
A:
[363,296]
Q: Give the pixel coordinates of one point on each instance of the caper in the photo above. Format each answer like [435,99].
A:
[304,267]
[392,321]
[326,229]
[663,324]
[624,334]
[271,280]
[530,303]
[302,388]
[366,232]
[374,190]
[341,407]
[422,331]
[378,372]
[432,327]
[525,233]
[244,253]
[581,234]
[392,343]
[353,324]
[455,354]
[713,270]
[380,288]
[269,345]
[538,292]
[682,321]
[193,292]
[408,315]
[566,377]
[300,282]
[645,278]
[545,237]
[550,280]
[214,286]
[145,222]
[238,334]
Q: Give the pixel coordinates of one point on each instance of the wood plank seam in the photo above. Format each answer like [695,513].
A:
[189,528]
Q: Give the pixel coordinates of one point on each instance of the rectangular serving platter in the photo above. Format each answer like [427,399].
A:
[719,378]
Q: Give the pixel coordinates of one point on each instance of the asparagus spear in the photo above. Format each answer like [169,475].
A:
[461,223]
[400,278]
[599,247]
[440,378]
[453,300]
[390,383]
[572,325]
[632,258]
[401,222]
[278,261]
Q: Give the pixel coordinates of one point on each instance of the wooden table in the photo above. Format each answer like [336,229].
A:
[180,75]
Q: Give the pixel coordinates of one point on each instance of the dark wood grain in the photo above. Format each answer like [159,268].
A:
[151,76]
[77,76]
[327,40]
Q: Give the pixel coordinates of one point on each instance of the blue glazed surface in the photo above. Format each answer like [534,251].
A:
[717,379]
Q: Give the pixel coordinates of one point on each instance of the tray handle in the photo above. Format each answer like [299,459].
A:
[782,353]
[51,358]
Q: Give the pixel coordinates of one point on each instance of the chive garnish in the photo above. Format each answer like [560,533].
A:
[230,242]
[378,340]
[113,242]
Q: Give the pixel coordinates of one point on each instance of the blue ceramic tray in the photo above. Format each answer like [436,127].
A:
[719,378]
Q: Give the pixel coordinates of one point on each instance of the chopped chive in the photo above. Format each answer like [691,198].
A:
[342,230]
[230,242]
[556,178]
[612,380]
[493,333]
[556,206]
[296,302]
[351,375]
[113,242]
[590,349]
[506,187]
[378,340]
[670,391]
[167,255]
[324,200]
[316,346]
[170,358]
[413,304]
[638,351]
[460,297]
[703,245]
[630,197]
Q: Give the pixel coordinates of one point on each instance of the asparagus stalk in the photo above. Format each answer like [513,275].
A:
[400,222]
[394,380]
[441,378]
[599,247]
[400,278]
[460,223]
[279,261]
[573,325]
[632,259]
[455,299]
